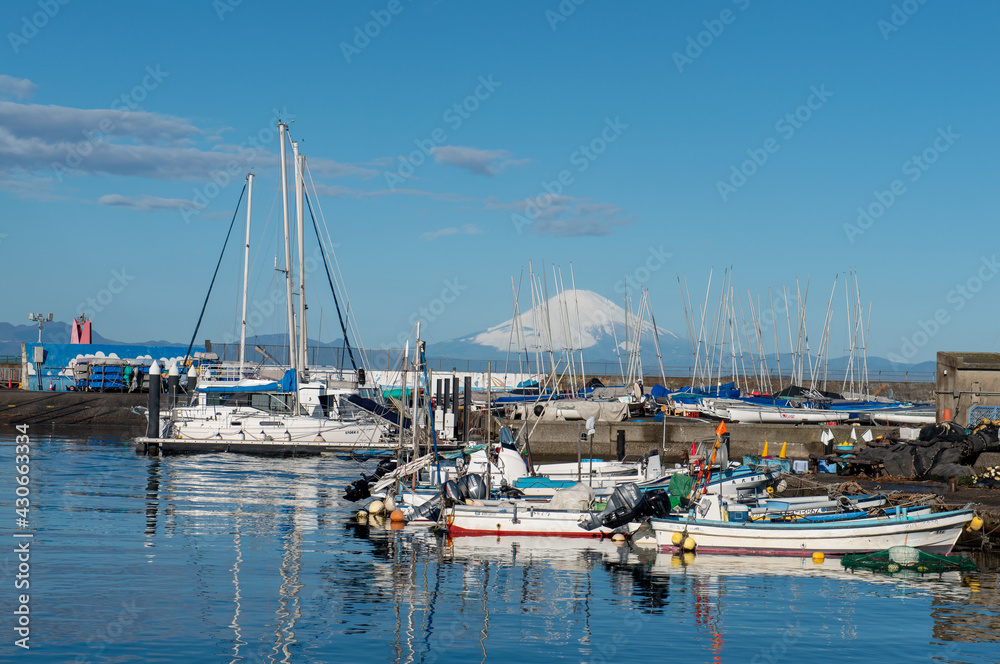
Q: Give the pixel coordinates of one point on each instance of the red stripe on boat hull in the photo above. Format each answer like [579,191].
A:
[454,531]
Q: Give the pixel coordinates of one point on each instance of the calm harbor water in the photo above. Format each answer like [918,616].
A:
[226,558]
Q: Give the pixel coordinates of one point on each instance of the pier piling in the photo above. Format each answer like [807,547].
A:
[153,410]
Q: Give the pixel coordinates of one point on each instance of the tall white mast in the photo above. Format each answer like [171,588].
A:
[300,229]
[292,355]
[246,272]
[579,328]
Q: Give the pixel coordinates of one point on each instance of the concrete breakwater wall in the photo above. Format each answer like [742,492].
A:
[675,435]
[25,407]
[548,439]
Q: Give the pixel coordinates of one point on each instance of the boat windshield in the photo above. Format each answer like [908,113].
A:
[268,402]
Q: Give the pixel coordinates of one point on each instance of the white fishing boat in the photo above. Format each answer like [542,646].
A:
[518,517]
[717,529]
[570,513]
[813,504]
[604,476]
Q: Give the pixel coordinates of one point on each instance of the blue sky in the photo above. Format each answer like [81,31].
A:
[687,136]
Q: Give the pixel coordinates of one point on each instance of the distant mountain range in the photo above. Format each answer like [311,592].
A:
[572,319]
[600,330]
[56,332]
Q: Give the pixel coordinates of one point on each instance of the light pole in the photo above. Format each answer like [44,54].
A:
[42,320]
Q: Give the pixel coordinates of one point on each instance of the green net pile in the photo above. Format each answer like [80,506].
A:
[900,558]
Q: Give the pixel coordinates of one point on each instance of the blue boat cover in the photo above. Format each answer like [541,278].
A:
[287,384]
[377,409]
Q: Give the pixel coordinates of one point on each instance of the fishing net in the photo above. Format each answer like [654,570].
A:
[900,558]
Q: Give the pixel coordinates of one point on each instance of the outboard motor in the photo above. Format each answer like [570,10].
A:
[472,486]
[452,491]
[621,509]
[621,506]
[431,511]
[655,503]
[358,490]
[508,491]
[384,467]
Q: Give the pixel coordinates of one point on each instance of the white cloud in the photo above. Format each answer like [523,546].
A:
[565,216]
[19,88]
[331,168]
[340,191]
[56,124]
[433,235]
[66,142]
[592,219]
[146,202]
[474,160]
[466,229]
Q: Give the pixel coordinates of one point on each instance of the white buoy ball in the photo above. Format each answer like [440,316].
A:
[377,507]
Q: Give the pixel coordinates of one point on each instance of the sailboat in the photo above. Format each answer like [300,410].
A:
[236,409]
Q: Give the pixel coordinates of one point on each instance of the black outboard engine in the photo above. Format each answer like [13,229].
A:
[358,490]
[431,510]
[384,467]
[621,509]
[472,486]
[361,489]
[452,491]
[621,506]
[655,503]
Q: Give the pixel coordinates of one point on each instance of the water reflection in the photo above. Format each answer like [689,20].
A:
[257,560]
[976,618]
[196,499]
[152,495]
[560,578]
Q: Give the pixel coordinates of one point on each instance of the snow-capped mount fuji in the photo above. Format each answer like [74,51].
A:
[571,319]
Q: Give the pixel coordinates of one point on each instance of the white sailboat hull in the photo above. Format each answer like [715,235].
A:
[244,425]
[897,417]
[778,415]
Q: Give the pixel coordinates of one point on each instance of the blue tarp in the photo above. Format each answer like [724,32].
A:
[691,394]
[58,357]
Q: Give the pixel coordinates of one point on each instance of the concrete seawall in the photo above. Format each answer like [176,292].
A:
[675,435]
[556,440]
[106,408]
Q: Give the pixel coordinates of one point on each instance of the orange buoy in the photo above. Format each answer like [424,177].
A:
[397,516]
